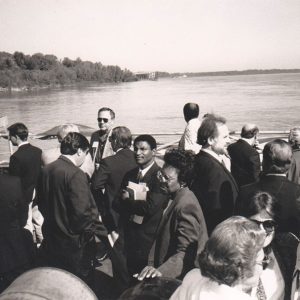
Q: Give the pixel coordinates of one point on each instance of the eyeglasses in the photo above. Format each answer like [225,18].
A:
[268,225]
[265,262]
[162,177]
[105,120]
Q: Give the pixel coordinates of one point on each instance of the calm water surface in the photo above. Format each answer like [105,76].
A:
[270,101]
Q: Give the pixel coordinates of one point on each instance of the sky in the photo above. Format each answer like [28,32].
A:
[152,35]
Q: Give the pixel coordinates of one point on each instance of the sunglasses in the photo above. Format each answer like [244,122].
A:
[268,225]
[265,262]
[105,120]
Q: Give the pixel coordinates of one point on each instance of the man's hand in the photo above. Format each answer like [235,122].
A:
[148,272]
[125,195]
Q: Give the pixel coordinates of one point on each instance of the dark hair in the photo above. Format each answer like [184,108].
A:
[18,129]
[122,136]
[277,157]
[231,251]
[146,138]
[183,161]
[112,113]
[261,201]
[191,111]
[72,142]
[248,132]
[209,128]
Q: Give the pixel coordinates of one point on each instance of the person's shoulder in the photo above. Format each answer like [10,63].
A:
[10,179]
[34,148]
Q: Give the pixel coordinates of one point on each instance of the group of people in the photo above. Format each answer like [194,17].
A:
[207,216]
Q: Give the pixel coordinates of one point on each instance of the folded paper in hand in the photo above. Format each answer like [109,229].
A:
[137,191]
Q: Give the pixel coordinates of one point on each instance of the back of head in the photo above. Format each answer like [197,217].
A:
[64,129]
[112,113]
[122,137]
[209,128]
[294,137]
[191,111]
[230,253]
[249,131]
[72,142]
[277,157]
[146,138]
[18,129]
[183,161]
[262,202]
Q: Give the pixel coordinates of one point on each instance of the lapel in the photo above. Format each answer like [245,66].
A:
[170,208]
[223,167]
[148,176]
[107,151]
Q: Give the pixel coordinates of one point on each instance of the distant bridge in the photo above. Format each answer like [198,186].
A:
[146,75]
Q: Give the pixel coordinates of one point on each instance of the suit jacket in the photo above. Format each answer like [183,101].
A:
[16,244]
[26,163]
[109,177]
[139,237]
[245,162]
[181,235]
[215,189]
[107,150]
[287,199]
[71,217]
[294,171]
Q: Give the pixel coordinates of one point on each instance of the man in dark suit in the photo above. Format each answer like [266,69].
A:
[107,181]
[100,144]
[26,161]
[139,236]
[71,217]
[213,184]
[277,157]
[245,162]
[26,164]
[16,243]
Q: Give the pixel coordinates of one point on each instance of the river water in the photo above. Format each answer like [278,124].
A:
[271,101]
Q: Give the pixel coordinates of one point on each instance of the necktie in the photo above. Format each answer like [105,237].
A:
[139,176]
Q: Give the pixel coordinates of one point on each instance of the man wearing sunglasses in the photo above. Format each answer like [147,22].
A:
[101,146]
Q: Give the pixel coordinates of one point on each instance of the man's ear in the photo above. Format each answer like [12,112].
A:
[154,151]
[79,151]
[210,140]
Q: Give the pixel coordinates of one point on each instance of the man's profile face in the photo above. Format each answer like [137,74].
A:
[143,154]
[105,121]
[221,141]
[13,140]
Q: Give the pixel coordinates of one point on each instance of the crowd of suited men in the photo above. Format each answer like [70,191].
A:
[58,207]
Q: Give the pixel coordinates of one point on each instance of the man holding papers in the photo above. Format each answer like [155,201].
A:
[141,204]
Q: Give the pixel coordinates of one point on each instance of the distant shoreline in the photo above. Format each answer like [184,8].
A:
[228,73]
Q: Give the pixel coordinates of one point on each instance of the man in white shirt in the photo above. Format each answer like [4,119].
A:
[188,140]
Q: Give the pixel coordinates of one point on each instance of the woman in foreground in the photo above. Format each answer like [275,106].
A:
[230,264]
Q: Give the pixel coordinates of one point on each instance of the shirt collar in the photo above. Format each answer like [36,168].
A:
[275,174]
[23,143]
[144,171]
[213,154]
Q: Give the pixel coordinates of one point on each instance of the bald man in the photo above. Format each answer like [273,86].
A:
[245,162]
[188,140]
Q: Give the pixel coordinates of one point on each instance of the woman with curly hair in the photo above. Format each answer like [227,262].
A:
[182,231]
[230,264]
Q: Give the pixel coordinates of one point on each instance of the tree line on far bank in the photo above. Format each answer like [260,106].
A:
[29,71]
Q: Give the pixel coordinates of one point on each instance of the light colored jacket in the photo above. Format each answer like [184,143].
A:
[198,287]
